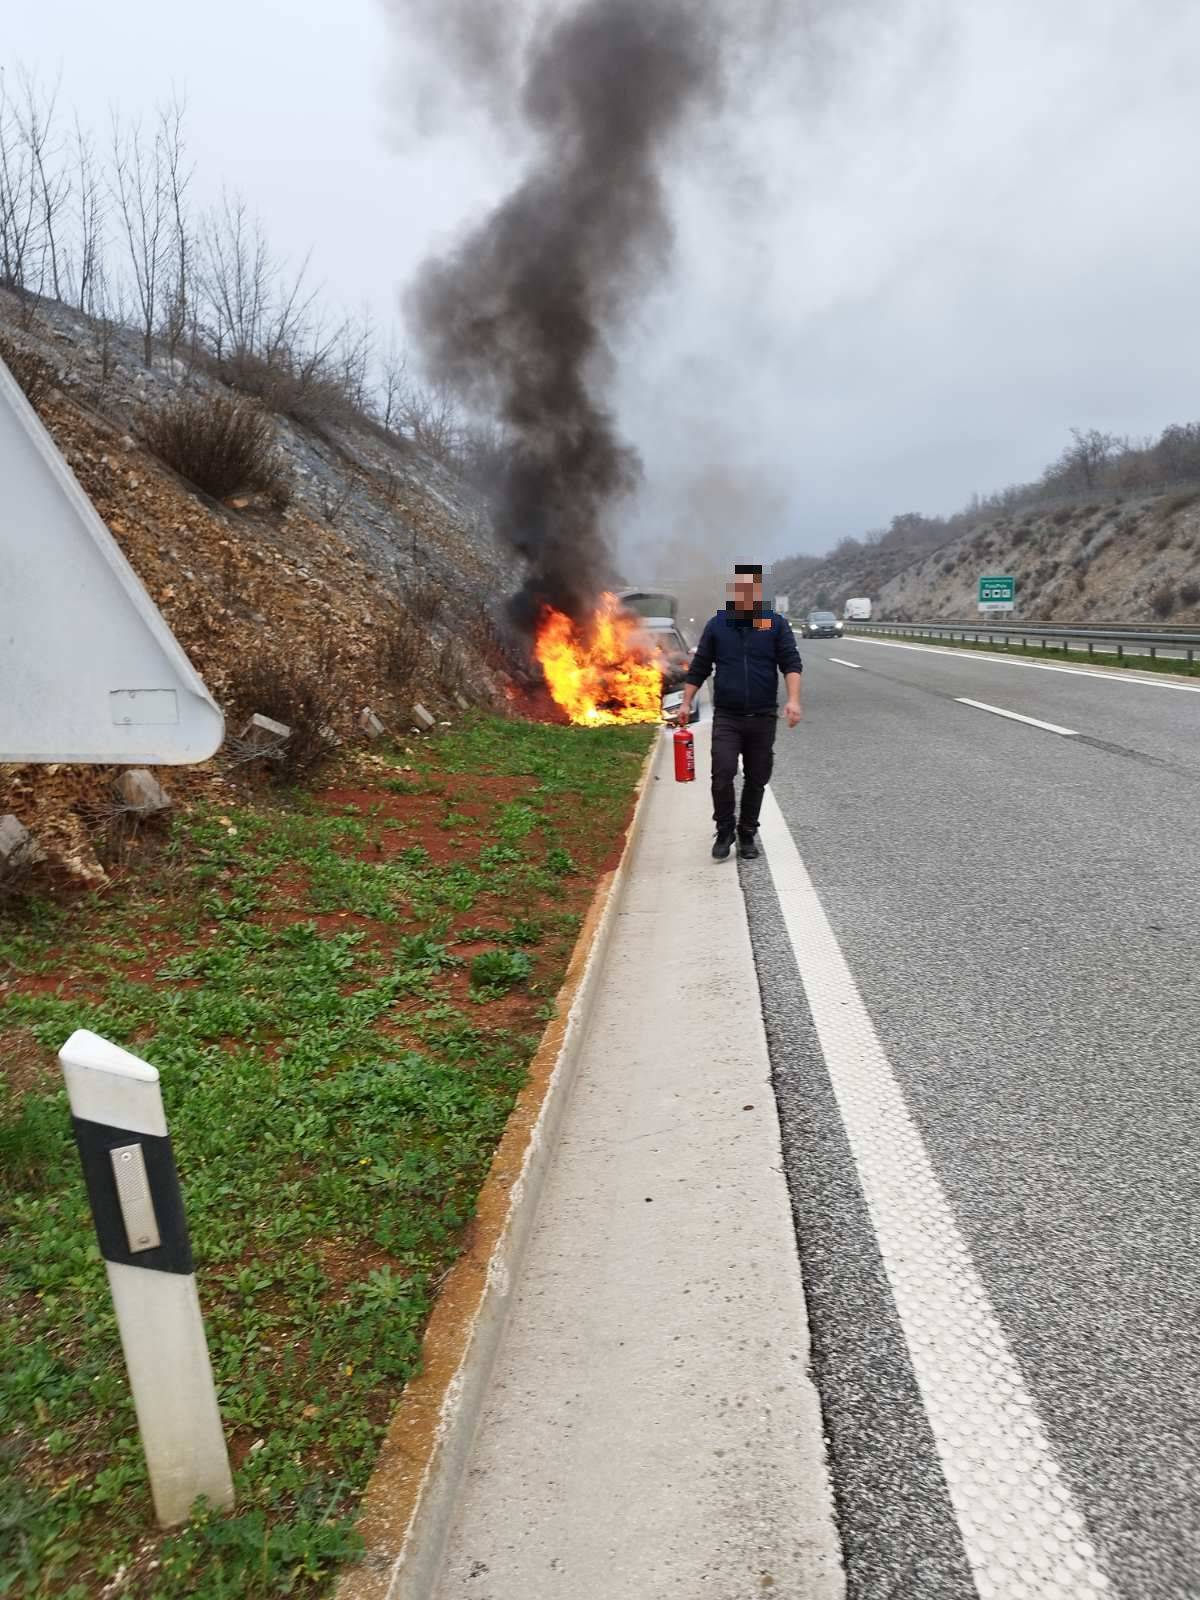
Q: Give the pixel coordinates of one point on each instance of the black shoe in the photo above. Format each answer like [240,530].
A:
[747,846]
[723,843]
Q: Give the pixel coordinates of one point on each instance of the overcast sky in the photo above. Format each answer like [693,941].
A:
[907,260]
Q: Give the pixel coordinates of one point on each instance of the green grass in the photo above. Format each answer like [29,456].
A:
[1052,652]
[328,1164]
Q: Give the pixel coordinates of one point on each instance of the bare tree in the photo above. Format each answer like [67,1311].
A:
[50,186]
[484,453]
[292,326]
[176,178]
[86,266]
[311,356]
[18,197]
[393,382]
[111,312]
[140,190]
[253,311]
[235,280]
[1177,452]
[1082,462]
[355,359]
[431,419]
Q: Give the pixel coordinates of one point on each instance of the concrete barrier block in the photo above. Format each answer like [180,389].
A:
[370,723]
[17,845]
[264,732]
[141,791]
[424,719]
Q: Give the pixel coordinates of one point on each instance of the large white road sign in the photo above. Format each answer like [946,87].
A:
[89,670]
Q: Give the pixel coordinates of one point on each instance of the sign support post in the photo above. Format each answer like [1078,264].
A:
[133,1188]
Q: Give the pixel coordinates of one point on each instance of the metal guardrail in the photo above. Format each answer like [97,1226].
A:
[1138,641]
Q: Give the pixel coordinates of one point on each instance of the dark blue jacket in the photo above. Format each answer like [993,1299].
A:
[748,661]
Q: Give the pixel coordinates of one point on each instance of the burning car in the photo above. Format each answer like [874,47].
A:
[659,613]
[626,663]
[675,657]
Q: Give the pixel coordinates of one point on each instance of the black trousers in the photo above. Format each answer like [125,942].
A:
[753,739]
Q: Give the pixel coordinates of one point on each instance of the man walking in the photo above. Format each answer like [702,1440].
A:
[749,645]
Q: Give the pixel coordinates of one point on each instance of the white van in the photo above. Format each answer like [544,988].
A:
[857,610]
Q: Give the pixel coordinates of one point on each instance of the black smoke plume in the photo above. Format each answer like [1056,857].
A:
[517,321]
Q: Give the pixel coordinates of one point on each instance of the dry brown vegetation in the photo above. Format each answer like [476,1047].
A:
[221,442]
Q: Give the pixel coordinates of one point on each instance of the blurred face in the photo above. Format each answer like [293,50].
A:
[745,590]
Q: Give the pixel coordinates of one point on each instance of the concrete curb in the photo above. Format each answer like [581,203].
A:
[410,1499]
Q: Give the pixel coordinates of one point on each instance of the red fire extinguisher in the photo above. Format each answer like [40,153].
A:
[685,756]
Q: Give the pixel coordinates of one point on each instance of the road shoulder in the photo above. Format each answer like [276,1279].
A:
[652,1427]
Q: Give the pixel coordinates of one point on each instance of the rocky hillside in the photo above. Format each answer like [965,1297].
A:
[1117,558]
[1127,561]
[856,567]
[367,577]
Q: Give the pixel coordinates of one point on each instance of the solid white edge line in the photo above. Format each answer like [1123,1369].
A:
[1131,677]
[1015,716]
[1021,1530]
[853,665]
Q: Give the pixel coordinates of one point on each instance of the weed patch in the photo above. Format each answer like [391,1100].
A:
[499,969]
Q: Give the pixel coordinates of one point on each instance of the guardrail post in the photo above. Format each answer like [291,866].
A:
[133,1189]
[1120,651]
[1153,653]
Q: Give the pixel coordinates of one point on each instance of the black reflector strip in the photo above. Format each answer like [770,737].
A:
[95,1141]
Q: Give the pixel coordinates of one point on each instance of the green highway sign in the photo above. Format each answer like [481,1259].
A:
[997,594]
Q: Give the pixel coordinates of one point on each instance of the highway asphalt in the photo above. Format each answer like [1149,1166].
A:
[1018,907]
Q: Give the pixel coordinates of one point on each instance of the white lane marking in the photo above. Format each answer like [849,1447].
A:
[853,665]
[1132,676]
[1015,716]
[1022,1532]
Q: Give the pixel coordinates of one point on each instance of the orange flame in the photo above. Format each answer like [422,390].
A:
[603,673]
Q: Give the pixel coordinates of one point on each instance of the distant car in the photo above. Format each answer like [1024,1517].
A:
[822,625]
[858,609]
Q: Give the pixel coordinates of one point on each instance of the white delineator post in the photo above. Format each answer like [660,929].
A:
[121,1131]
